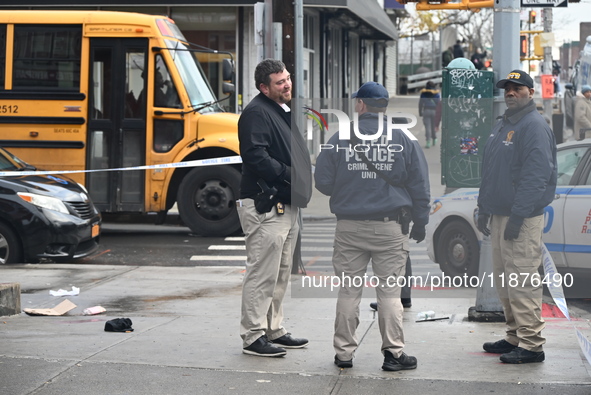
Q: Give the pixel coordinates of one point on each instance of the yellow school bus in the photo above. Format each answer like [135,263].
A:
[103,90]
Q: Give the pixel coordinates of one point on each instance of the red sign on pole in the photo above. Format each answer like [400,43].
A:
[547,86]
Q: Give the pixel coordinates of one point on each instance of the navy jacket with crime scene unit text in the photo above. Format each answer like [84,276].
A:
[357,192]
[518,165]
[270,151]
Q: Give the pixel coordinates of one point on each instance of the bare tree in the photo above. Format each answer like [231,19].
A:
[475,29]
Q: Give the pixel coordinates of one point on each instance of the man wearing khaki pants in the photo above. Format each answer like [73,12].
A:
[518,182]
[374,196]
[276,183]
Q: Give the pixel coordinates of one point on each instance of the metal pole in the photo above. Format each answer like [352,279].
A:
[505,45]
[269,50]
[439,61]
[506,59]
[548,109]
[297,104]
[529,43]
[412,64]
[299,48]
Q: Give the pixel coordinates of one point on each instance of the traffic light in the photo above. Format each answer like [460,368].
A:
[523,46]
[538,49]
[429,5]
[532,17]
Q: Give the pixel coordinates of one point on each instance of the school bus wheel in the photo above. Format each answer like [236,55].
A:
[207,200]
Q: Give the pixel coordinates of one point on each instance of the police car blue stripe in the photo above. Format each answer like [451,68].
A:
[557,247]
[563,190]
[580,191]
[586,249]
[554,247]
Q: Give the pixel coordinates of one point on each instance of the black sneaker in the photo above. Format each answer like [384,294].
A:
[262,348]
[286,341]
[404,362]
[521,355]
[343,364]
[498,347]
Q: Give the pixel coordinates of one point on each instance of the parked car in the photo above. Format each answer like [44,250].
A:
[453,240]
[44,216]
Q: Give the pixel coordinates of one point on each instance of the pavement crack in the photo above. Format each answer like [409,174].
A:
[336,388]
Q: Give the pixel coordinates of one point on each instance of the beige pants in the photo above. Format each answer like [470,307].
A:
[355,243]
[270,242]
[514,264]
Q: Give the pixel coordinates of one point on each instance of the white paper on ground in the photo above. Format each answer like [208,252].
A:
[62,292]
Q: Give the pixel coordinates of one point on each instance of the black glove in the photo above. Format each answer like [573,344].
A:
[482,225]
[513,227]
[417,233]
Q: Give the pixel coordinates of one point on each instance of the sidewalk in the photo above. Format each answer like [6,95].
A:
[186,336]
[186,341]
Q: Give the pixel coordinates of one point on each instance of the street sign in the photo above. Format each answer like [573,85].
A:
[547,86]
[544,3]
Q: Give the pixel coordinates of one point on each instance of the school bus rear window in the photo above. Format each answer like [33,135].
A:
[47,57]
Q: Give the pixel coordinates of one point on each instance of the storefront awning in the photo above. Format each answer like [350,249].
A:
[97,3]
[376,23]
[369,11]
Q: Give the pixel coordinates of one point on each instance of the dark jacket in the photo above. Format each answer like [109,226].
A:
[359,193]
[428,100]
[478,60]
[270,151]
[518,165]
[446,57]
[458,51]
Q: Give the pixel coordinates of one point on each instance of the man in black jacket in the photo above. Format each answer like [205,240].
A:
[276,183]
[458,50]
[518,182]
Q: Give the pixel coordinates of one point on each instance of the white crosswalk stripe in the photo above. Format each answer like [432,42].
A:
[317,248]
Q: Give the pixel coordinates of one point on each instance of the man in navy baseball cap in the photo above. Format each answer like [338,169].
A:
[373,94]
[517,77]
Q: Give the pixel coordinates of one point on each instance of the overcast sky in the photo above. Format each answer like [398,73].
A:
[566,21]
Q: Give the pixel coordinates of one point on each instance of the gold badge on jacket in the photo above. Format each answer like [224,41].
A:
[509,137]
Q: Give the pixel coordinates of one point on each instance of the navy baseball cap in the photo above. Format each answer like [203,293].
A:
[373,94]
[517,77]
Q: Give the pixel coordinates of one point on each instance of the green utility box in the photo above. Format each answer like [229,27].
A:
[466,123]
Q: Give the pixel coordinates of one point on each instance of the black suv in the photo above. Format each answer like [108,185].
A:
[43,216]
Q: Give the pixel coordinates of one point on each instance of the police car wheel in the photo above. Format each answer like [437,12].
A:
[458,250]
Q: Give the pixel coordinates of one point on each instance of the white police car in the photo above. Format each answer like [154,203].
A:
[453,240]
